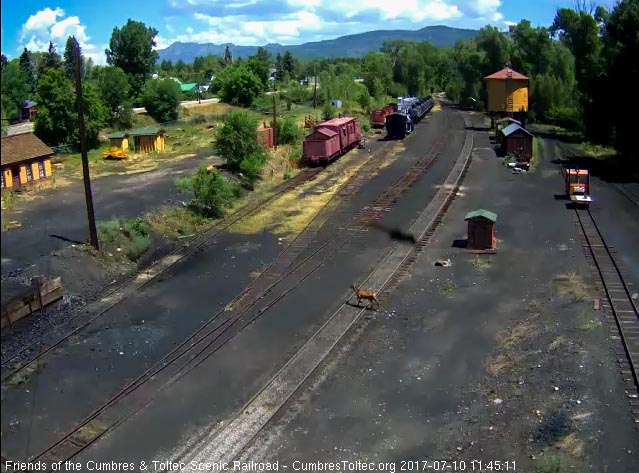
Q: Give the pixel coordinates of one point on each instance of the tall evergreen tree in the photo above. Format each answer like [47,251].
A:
[69,57]
[52,59]
[228,57]
[27,68]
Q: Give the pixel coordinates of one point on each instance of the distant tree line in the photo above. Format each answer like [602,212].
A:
[578,67]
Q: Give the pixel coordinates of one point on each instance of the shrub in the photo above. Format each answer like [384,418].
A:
[236,139]
[287,132]
[161,98]
[251,168]
[212,192]
[366,125]
[329,111]
[131,236]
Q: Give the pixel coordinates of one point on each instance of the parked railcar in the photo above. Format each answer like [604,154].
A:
[398,125]
[331,139]
[378,116]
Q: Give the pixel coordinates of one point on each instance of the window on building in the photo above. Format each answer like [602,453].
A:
[29,173]
[41,169]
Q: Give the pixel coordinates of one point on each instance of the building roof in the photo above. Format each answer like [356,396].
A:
[481,213]
[28,104]
[510,129]
[22,147]
[147,130]
[117,134]
[188,87]
[338,121]
[503,74]
[326,131]
[507,119]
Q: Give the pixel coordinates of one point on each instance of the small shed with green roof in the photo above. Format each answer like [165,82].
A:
[119,139]
[481,229]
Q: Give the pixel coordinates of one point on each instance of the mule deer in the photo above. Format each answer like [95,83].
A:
[365,295]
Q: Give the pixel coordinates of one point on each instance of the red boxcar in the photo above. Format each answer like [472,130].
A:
[331,139]
[378,117]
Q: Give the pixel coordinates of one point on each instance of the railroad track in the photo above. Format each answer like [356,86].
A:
[212,336]
[619,300]
[631,191]
[20,359]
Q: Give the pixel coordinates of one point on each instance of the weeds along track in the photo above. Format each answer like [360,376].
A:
[226,324]
[624,312]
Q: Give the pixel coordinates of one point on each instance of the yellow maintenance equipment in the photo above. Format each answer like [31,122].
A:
[114,153]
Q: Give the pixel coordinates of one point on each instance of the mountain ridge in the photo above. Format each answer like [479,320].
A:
[354,45]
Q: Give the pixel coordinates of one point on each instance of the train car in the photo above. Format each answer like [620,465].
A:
[331,139]
[578,186]
[378,116]
[398,125]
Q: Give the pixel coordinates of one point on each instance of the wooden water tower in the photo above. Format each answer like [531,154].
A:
[507,92]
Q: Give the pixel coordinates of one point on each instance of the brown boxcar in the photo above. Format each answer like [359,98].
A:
[378,117]
[331,139]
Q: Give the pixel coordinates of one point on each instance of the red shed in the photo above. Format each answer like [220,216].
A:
[517,141]
[481,229]
[265,136]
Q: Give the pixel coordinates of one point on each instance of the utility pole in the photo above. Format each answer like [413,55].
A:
[274,122]
[315,88]
[83,149]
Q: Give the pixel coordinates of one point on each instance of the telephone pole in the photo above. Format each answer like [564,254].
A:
[274,122]
[83,149]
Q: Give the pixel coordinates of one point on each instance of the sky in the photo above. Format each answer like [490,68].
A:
[33,23]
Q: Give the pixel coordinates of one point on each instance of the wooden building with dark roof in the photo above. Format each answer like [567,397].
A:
[25,159]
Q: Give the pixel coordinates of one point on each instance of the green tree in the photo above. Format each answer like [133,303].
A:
[114,89]
[131,49]
[4,61]
[96,112]
[496,48]
[52,58]
[161,98]
[28,69]
[259,65]
[238,85]
[377,73]
[228,57]
[622,50]
[56,121]
[236,140]
[69,58]
[15,89]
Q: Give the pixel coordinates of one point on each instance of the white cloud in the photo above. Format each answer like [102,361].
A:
[40,22]
[52,25]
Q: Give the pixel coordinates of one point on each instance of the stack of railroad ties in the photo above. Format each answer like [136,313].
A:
[333,138]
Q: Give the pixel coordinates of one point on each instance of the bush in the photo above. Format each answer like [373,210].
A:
[161,98]
[251,168]
[366,125]
[238,85]
[288,132]
[131,236]
[329,111]
[212,192]
[236,139]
